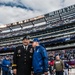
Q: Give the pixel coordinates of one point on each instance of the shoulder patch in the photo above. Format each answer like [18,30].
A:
[31,50]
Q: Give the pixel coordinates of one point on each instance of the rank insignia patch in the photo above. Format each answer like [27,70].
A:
[31,50]
[19,51]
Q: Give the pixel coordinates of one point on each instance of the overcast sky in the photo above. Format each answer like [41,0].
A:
[17,10]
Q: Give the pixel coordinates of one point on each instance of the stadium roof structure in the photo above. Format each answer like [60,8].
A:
[23,24]
[37,21]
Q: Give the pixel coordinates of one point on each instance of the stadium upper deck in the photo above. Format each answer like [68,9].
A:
[55,30]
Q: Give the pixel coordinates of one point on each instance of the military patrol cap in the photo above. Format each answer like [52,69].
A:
[26,37]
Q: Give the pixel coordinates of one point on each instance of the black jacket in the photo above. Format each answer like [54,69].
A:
[22,60]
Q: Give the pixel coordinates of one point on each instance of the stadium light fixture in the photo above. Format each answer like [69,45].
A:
[20,22]
[3,26]
[36,18]
[15,23]
[26,20]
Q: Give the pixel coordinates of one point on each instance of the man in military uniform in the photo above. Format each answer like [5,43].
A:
[22,60]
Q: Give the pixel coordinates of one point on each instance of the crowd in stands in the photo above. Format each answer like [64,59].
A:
[67,56]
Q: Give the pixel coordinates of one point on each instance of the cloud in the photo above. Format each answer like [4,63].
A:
[14,4]
[6,1]
[17,10]
[9,14]
[69,2]
[43,5]
[46,6]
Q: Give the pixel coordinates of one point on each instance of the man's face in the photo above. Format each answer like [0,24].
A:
[58,57]
[7,58]
[34,44]
[26,42]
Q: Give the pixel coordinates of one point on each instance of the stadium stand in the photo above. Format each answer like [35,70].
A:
[52,29]
[56,30]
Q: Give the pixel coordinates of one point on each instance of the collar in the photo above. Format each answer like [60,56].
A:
[37,47]
[25,47]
